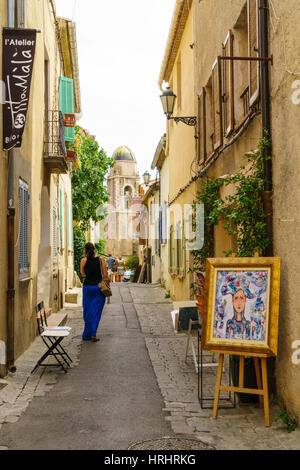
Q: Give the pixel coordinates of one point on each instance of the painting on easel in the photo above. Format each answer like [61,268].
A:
[242,302]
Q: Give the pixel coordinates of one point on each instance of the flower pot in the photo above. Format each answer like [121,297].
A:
[71,156]
[69,120]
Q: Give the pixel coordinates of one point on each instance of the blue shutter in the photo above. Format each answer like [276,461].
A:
[66,103]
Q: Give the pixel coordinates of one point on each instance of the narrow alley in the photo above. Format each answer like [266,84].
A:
[111,400]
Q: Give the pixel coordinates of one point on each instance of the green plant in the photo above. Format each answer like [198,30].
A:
[89,179]
[285,418]
[167,295]
[242,211]
[79,242]
[100,247]
[210,198]
[132,262]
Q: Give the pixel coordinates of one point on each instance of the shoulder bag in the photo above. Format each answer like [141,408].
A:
[104,285]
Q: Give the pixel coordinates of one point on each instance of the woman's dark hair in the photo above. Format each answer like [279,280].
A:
[89,248]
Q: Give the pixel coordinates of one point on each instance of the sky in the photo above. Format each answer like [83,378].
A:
[121,44]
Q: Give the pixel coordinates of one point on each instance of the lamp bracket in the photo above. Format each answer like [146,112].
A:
[188,120]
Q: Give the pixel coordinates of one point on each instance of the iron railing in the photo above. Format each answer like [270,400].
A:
[54,142]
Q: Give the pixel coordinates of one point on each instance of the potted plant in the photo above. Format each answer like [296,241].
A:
[69,120]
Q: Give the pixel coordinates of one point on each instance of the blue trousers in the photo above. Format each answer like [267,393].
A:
[93,302]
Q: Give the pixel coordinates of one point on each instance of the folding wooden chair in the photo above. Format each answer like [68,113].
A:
[52,338]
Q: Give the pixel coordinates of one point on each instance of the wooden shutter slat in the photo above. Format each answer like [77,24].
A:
[66,103]
[202,125]
[253,66]
[228,94]
[217,104]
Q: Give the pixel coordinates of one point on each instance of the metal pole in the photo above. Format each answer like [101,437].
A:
[10,351]
[266,120]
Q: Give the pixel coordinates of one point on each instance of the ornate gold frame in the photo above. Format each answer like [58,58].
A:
[222,344]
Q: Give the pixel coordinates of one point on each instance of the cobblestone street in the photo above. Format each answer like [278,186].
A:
[239,428]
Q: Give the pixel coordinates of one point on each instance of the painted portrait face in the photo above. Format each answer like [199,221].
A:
[239,301]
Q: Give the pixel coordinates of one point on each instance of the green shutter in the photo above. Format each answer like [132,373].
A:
[66,103]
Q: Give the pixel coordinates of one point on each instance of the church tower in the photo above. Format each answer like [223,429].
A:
[122,184]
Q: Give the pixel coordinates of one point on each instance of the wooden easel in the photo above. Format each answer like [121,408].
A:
[262,382]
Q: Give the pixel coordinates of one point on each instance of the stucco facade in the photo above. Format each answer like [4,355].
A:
[178,71]
[50,241]
[233,126]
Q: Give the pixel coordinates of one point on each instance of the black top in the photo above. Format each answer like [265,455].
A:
[92,271]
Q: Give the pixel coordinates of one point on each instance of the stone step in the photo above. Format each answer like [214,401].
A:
[71,297]
[57,319]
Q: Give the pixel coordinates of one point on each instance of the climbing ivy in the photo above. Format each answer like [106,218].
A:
[242,211]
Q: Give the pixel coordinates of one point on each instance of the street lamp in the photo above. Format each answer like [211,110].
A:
[168,99]
[146,178]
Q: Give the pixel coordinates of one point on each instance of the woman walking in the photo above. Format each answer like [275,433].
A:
[120,269]
[92,267]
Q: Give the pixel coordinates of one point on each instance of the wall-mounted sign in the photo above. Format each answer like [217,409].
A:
[18,56]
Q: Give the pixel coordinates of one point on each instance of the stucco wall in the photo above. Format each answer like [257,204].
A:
[212,22]
[285,116]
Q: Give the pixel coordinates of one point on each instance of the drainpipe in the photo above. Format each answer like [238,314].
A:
[10,353]
[266,120]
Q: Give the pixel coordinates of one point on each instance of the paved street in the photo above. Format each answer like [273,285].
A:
[133,385]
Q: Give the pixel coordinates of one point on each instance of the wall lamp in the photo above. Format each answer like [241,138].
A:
[146,178]
[168,99]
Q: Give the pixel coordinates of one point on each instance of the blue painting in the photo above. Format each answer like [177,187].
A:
[241,305]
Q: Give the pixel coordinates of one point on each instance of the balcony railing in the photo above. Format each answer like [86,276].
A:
[54,142]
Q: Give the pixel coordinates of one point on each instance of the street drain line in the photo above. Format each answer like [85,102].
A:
[171,443]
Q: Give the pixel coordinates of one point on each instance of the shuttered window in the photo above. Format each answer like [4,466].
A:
[202,126]
[181,256]
[61,219]
[54,235]
[253,66]
[228,94]
[172,252]
[66,104]
[217,105]
[24,197]
[164,222]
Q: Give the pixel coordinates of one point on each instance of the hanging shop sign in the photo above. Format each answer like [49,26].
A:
[18,57]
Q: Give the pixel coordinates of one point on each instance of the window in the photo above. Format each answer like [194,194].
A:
[20,9]
[66,104]
[253,65]
[24,227]
[177,252]
[201,141]
[217,105]
[172,252]
[164,223]
[228,91]
[61,219]
[54,235]
[241,75]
